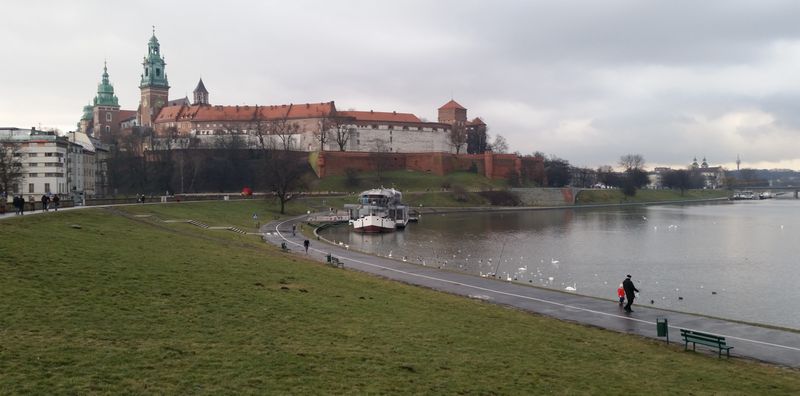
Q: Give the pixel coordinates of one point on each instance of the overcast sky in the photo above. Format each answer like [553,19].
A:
[587,81]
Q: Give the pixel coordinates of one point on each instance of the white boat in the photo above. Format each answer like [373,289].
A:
[765,195]
[373,224]
[378,210]
[744,195]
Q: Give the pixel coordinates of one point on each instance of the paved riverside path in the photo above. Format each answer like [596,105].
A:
[749,341]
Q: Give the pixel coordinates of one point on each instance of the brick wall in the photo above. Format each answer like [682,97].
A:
[493,166]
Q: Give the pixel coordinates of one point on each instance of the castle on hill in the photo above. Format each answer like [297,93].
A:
[200,123]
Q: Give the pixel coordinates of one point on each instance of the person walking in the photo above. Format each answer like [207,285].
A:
[45,202]
[621,294]
[627,284]
[19,204]
[294,229]
[306,244]
[56,202]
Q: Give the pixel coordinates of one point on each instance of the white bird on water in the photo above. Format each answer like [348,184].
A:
[572,288]
[553,261]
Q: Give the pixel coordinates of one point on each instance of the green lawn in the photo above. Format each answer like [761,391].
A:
[615,196]
[128,304]
[408,181]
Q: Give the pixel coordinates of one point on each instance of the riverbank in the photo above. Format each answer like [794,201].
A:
[459,209]
[116,300]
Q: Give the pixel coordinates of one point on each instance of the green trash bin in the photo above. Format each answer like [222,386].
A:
[662,328]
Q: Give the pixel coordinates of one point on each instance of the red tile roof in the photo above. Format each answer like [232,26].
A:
[244,113]
[452,104]
[380,116]
[127,114]
[476,121]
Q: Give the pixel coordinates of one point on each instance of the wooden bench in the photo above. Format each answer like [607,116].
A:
[334,262]
[696,337]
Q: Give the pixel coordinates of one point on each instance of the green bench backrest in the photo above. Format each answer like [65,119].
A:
[695,336]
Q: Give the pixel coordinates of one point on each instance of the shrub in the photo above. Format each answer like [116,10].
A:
[460,194]
[473,168]
[501,198]
[351,178]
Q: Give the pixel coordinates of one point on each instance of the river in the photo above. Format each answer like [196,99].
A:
[736,260]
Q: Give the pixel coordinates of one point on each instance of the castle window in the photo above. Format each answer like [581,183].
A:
[108,116]
[158,72]
[145,72]
[108,129]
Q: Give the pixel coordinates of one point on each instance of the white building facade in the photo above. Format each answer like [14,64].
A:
[53,164]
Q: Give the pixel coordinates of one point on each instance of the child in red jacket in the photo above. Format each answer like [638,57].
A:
[621,295]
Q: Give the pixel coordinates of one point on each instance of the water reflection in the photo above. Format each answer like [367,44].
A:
[735,260]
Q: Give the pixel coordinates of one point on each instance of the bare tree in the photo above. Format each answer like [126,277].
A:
[10,166]
[635,175]
[631,161]
[284,169]
[339,128]
[458,136]
[500,145]
[381,160]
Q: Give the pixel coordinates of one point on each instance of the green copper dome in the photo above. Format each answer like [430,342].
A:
[88,112]
[155,72]
[105,92]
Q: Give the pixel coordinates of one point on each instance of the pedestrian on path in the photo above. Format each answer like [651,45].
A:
[45,202]
[627,284]
[294,228]
[19,204]
[306,244]
[56,202]
[621,294]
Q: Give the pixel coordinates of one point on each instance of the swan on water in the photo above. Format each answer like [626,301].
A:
[571,288]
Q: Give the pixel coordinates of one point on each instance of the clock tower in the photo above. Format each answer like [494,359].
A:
[154,85]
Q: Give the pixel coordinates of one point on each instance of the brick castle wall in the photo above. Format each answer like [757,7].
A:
[493,166]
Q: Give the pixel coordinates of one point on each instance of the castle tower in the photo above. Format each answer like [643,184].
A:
[85,124]
[105,110]
[200,94]
[452,113]
[154,85]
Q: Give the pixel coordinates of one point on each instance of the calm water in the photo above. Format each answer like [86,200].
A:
[747,252]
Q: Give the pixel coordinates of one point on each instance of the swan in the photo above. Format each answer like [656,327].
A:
[553,261]
[571,288]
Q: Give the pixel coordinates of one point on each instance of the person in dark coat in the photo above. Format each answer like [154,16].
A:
[45,202]
[627,284]
[19,204]
[56,202]
[306,244]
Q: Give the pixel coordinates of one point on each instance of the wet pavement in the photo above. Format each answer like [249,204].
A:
[749,341]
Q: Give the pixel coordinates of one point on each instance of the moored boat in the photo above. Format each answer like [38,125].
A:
[378,210]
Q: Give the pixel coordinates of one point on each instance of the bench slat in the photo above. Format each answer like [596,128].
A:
[696,337]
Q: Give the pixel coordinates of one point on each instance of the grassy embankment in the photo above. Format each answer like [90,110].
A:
[131,305]
[589,197]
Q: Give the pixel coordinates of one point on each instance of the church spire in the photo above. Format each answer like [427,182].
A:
[154,85]
[200,94]
[105,91]
[155,72]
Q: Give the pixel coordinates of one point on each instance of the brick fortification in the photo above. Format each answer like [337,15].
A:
[493,166]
